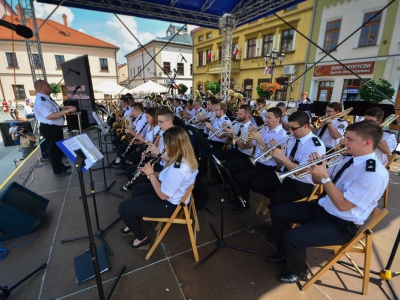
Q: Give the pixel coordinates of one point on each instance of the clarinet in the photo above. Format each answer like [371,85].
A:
[133,140]
[141,149]
[153,161]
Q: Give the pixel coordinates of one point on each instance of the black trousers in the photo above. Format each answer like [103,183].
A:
[144,202]
[288,191]
[318,228]
[230,156]
[205,152]
[53,134]
[12,114]
[247,175]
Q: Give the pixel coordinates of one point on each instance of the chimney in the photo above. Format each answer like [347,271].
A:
[18,8]
[65,20]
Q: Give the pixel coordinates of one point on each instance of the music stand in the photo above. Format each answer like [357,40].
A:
[199,136]
[227,180]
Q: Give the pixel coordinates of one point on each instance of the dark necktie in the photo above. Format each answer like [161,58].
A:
[239,134]
[323,129]
[59,108]
[338,174]
[293,153]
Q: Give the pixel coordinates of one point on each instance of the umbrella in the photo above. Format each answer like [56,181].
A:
[109,87]
[149,87]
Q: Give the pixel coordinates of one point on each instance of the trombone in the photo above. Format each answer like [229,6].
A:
[388,120]
[263,156]
[331,160]
[318,122]
[257,113]
[290,111]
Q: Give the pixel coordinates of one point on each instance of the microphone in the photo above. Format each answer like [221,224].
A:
[184,58]
[21,30]
[77,88]
[76,72]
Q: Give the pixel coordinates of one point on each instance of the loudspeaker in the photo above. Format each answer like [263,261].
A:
[72,121]
[21,211]
[5,127]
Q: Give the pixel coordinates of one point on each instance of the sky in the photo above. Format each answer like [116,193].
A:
[106,26]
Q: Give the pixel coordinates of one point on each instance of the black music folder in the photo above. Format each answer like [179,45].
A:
[84,269]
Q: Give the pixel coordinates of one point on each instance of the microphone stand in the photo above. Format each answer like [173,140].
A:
[290,94]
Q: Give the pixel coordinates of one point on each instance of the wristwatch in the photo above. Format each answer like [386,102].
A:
[325,180]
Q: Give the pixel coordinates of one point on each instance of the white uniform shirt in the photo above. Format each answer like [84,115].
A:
[177,111]
[305,147]
[211,116]
[264,115]
[151,134]
[278,134]
[243,129]
[217,124]
[191,113]
[139,123]
[161,147]
[203,112]
[127,111]
[362,188]
[340,125]
[44,107]
[390,139]
[28,111]
[176,180]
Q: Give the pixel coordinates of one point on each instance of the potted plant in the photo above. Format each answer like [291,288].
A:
[266,89]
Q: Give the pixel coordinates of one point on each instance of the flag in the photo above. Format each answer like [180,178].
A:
[266,70]
[209,54]
[236,50]
[271,71]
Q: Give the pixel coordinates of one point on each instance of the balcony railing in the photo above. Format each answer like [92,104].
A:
[214,67]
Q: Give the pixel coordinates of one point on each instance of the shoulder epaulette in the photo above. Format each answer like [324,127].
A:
[340,120]
[226,118]
[43,98]
[341,126]
[388,131]
[178,163]
[371,165]
[316,141]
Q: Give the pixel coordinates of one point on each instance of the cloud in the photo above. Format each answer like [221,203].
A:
[81,30]
[44,10]
[116,34]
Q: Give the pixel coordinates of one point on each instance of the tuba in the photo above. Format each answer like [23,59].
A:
[197,95]
[209,94]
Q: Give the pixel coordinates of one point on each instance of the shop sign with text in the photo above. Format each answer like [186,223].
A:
[338,70]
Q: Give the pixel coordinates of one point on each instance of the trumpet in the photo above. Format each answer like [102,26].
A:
[220,131]
[245,137]
[331,160]
[262,155]
[257,113]
[317,122]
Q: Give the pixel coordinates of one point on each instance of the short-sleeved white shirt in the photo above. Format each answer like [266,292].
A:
[243,131]
[217,124]
[139,123]
[340,125]
[151,134]
[127,111]
[278,134]
[361,187]
[390,139]
[176,180]
[306,146]
[44,107]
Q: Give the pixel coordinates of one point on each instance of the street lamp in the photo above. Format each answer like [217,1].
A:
[270,60]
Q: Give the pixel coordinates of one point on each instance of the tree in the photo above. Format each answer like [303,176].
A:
[367,93]
[214,87]
[55,88]
[182,88]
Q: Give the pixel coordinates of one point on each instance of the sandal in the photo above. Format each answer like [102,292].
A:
[143,245]
[125,232]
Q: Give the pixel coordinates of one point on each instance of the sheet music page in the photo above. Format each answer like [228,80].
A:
[90,146]
[83,142]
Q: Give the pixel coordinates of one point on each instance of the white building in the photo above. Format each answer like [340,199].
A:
[59,43]
[372,52]
[176,55]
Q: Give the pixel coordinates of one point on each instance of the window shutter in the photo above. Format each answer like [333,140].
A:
[245,50]
[294,41]
[197,61]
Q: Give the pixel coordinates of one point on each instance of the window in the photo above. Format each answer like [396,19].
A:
[201,55]
[208,55]
[12,60]
[287,40]
[19,92]
[131,73]
[369,33]
[264,80]
[180,69]
[166,67]
[103,64]
[251,48]
[332,34]
[209,35]
[139,71]
[191,69]
[200,87]
[36,61]
[201,38]
[268,43]
[59,60]
[248,87]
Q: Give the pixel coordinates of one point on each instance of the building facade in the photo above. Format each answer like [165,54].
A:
[177,55]
[252,42]
[372,52]
[59,43]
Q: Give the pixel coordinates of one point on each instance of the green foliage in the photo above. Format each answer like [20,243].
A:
[55,89]
[367,93]
[182,88]
[214,87]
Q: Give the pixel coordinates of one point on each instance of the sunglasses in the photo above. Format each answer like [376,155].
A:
[294,128]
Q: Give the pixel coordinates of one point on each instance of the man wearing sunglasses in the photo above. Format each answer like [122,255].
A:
[331,131]
[302,143]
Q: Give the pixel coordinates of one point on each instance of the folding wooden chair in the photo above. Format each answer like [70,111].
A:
[340,250]
[318,188]
[386,194]
[179,216]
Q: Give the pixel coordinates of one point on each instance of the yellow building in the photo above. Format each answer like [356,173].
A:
[253,40]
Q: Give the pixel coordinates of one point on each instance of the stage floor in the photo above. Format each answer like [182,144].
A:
[170,273]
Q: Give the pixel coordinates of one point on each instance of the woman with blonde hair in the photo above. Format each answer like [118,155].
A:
[160,197]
